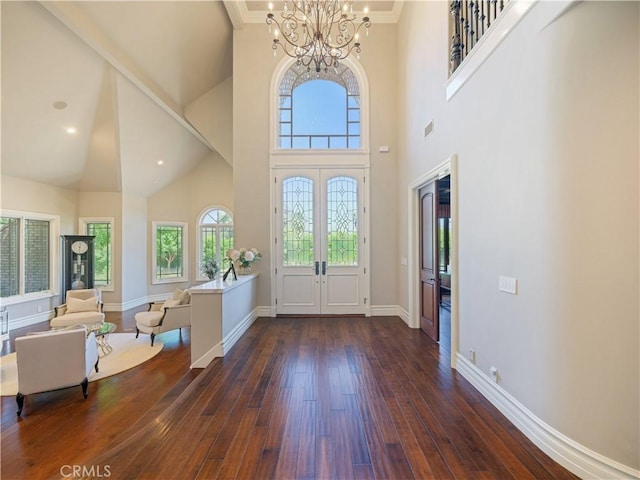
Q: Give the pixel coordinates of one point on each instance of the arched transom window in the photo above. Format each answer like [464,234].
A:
[319,110]
[215,237]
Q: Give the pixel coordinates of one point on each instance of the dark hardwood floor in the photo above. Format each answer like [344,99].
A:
[295,398]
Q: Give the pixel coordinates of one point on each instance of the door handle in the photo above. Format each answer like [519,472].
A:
[317,268]
[324,268]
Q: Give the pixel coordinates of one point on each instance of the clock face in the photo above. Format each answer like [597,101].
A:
[79,247]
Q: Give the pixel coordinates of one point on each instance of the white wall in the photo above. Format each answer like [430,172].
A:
[135,267]
[27,196]
[209,183]
[212,115]
[107,204]
[546,134]
[253,68]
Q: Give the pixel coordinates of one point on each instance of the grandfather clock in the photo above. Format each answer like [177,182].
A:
[77,263]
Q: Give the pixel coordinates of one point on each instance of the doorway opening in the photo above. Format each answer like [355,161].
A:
[444,235]
[435,279]
[435,259]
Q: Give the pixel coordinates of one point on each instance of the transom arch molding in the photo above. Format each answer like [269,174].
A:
[350,75]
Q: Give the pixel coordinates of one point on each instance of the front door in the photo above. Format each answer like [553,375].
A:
[319,243]
[429,301]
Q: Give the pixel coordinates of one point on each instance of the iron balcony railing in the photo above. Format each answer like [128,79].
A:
[470,20]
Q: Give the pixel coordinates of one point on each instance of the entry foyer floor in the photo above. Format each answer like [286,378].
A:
[296,398]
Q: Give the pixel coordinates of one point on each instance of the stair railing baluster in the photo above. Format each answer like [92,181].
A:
[476,14]
[456,45]
[469,21]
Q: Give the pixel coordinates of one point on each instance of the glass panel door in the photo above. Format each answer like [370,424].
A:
[319,242]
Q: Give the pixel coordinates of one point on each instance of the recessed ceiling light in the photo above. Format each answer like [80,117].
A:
[71,130]
[160,162]
[60,105]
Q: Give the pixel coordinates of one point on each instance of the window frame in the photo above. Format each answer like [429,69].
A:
[185,253]
[220,257]
[353,157]
[348,137]
[83,223]
[54,257]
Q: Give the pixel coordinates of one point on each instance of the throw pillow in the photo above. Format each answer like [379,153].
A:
[170,302]
[182,295]
[75,305]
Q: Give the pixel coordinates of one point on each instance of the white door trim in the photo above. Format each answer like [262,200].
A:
[448,167]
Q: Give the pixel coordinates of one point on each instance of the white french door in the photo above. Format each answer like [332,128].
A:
[320,241]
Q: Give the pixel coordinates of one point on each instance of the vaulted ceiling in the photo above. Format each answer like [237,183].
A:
[126,76]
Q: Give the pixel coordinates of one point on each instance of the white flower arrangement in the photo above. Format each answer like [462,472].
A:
[244,257]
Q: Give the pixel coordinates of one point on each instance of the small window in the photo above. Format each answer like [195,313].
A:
[102,230]
[26,254]
[215,237]
[170,257]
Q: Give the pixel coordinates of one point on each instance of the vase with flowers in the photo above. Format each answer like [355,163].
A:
[209,267]
[244,257]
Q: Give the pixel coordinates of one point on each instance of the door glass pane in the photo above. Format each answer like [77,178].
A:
[342,221]
[297,222]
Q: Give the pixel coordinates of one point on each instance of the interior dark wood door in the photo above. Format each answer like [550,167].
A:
[429,305]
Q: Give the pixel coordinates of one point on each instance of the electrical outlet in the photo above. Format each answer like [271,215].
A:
[472,355]
[493,371]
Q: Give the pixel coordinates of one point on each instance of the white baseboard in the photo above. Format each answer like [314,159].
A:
[384,310]
[390,311]
[121,307]
[574,457]
[207,358]
[222,348]
[265,312]
[30,320]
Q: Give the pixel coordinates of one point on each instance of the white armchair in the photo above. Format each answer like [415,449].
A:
[82,307]
[55,360]
[162,317]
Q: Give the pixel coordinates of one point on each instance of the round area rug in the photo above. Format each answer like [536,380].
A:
[128,352]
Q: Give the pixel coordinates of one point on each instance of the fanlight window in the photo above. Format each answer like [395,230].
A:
[319,110]
[216,237]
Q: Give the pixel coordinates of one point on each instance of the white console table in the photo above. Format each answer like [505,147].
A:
[220,313]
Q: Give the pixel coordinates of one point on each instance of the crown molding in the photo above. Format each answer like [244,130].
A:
[240,14]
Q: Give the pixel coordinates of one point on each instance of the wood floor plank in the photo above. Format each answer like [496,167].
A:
[306,462]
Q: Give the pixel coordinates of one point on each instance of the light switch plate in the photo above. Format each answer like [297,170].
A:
[508,285]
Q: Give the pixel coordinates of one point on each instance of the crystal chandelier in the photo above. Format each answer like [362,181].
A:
[318,32]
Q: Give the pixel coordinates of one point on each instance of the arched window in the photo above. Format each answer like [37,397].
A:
[215,237]
[319,110]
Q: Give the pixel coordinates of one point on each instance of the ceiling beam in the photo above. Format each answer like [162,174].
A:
[82,26]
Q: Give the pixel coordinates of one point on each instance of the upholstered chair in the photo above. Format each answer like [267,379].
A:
[82,307]
[175,312]
[54,360]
